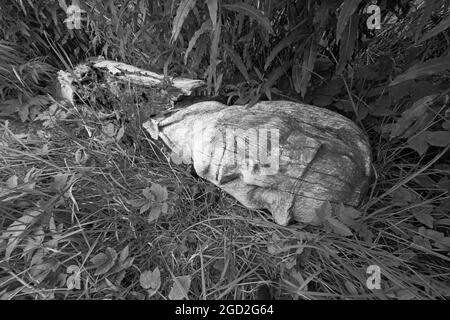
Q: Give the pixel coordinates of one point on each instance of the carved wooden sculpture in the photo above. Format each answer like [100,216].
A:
[286,157]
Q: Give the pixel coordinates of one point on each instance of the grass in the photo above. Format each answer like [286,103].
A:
[73,189]
[80,188]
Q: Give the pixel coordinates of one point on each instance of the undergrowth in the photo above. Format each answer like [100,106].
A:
[91,208]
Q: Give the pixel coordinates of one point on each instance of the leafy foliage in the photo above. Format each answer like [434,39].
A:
[90,210]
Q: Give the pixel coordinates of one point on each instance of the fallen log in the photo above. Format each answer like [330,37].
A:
[312,156]
[286,157]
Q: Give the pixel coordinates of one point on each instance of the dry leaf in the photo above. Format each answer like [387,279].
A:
[180,288]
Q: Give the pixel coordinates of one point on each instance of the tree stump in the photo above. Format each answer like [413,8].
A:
[286,157]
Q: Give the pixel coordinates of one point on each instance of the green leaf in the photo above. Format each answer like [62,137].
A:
[296,76]
[425,217]
[438,138]
[205,27]
[16,230]
[414,113]
[212,8]
[423,69]
[214,52]
[339,227]
[148,194]
[286,42]
[109,130]
[351,288]
[309,59]
[251,12]
[159,191]
[347,215]
[23,112]
[237,61]
[442,26]
[183,10]
[403,196]
[180,288]
[12,182]
[424,17]
[155,212]
[347,43]
[324,212]
[145,207]
[275,75]
[124,254]
[150,279]
[73,281]
[419,143]
[60,181]
[347,10]
[104,261]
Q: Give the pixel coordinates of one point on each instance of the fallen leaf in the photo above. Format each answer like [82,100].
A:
[438,138]
[339,227]
[16,230]
[159,191]
[12,182]
[60,181]
[347,215]
[180,288]
[154,214]
[73,281]
[151,279]
[324,211]
[104,261]
[425,217]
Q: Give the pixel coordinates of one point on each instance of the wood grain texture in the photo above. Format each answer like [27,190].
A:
[322,156]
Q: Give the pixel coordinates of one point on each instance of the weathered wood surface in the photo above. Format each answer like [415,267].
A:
[323,156]
[314,155]
[116,74]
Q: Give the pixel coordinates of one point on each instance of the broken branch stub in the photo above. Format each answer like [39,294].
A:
[115,75]
[287,157]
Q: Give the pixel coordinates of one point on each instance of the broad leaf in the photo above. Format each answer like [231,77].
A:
[183,10]
[414,113]
[16,230]
[347,10]
[347,43]
[442,26]
[286,42]
[205,27]
[309,59]
[424,216]
[275,75]
[237,61]
[73,281]
[150,279]
[252,12]
[438,138]
[324,212]
[419,143]
[424,17]
[423,69]
[154,214]
[214,52]
[212,8]
[180,288]
[104,261]
[347,215]
[159,191]
[339,227]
